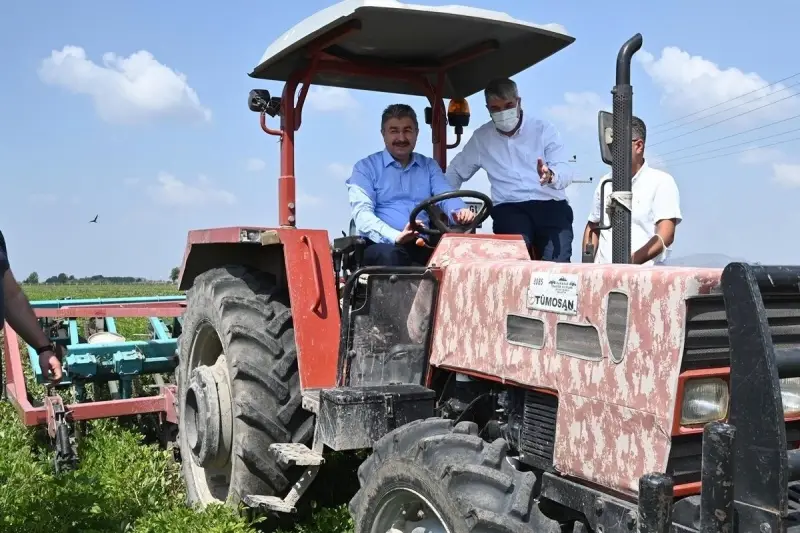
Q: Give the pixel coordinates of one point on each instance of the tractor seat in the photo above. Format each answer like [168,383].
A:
[350,249]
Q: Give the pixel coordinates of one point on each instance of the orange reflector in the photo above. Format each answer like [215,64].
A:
[458,106]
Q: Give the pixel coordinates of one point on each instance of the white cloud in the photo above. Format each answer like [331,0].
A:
[786,174]
[690,83]
[255,164]
[759,156]
[173,192]
[579,111]
[330,99]
[124,89]
[340,170]
[303,199]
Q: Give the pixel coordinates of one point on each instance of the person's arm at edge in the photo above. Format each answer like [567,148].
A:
[20,316]
[556,158]
[19,313]
[667,213]
[591,235]
[361,193]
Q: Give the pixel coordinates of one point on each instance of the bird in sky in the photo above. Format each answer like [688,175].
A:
[94,220]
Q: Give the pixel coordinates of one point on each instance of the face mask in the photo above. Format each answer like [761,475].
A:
[506,120]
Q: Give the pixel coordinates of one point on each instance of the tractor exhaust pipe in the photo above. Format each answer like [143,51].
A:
[621,166]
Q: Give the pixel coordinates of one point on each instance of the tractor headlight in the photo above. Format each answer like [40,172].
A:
[790,395]
[704,400]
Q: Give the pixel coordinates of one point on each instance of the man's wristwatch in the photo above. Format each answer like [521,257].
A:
[46,348]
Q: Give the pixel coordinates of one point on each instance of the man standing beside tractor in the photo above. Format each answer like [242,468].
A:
[512,149]
[655,209]
[385,186]
[16,309]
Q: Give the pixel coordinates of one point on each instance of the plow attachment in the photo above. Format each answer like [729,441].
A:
[95,355]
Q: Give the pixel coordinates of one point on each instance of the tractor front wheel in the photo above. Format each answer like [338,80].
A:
[434,477]
[238,387]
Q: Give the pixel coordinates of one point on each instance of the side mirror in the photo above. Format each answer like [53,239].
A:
[605,134]
[258,100]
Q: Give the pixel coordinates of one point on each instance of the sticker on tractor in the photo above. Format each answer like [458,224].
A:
[554,292]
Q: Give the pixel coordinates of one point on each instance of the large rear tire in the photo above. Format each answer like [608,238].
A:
[432,476]
[238,387]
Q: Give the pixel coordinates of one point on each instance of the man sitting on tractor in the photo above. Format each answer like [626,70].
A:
[528,172]
[656,209]
[386,186]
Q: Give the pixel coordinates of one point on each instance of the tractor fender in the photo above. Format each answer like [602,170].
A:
[206,250]
[301,262]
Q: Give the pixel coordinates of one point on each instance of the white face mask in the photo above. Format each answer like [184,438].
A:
[507,119]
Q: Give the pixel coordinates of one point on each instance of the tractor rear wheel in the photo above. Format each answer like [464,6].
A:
[435,477]
[238,387]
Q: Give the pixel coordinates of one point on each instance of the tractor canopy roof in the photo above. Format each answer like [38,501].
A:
[470,46]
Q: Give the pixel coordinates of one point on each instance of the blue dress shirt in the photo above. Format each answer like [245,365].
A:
[382,193]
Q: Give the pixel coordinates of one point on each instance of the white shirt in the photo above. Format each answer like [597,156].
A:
[655,198]
[510,162]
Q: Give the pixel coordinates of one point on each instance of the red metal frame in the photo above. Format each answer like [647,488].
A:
[16,386]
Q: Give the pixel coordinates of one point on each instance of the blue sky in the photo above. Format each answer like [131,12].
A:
[157,159]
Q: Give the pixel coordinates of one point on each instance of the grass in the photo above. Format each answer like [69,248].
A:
[123,483]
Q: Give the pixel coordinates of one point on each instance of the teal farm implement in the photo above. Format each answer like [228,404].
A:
[95,355]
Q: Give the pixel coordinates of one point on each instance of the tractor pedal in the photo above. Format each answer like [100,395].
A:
[296,454]
[268,503]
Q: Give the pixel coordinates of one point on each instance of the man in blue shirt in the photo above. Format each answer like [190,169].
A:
[528,171]
[386,186]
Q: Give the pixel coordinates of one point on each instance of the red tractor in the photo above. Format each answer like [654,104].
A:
[494,393]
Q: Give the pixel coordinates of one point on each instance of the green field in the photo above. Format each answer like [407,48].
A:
[123,484]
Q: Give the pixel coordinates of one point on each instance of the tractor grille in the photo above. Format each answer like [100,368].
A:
[685,457]
[707,344]
[539,429]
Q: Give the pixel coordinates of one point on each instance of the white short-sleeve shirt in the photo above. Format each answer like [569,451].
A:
[655,197]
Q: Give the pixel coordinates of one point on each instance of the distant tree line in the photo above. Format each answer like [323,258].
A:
[64,279]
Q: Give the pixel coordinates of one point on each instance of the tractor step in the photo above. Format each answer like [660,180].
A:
[269,503]
[311,400]
[295,454]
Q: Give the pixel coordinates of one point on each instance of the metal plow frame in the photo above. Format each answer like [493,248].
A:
[54,412]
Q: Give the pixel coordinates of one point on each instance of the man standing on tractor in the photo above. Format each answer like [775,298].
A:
[386,186]
[656,209]
[17,310]
[528,172]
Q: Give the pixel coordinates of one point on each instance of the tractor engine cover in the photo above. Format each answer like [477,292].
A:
[352,418]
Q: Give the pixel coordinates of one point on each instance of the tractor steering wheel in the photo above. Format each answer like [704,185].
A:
[429,205]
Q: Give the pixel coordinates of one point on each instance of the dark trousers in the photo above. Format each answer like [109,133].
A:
[546,226]
[382,254]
